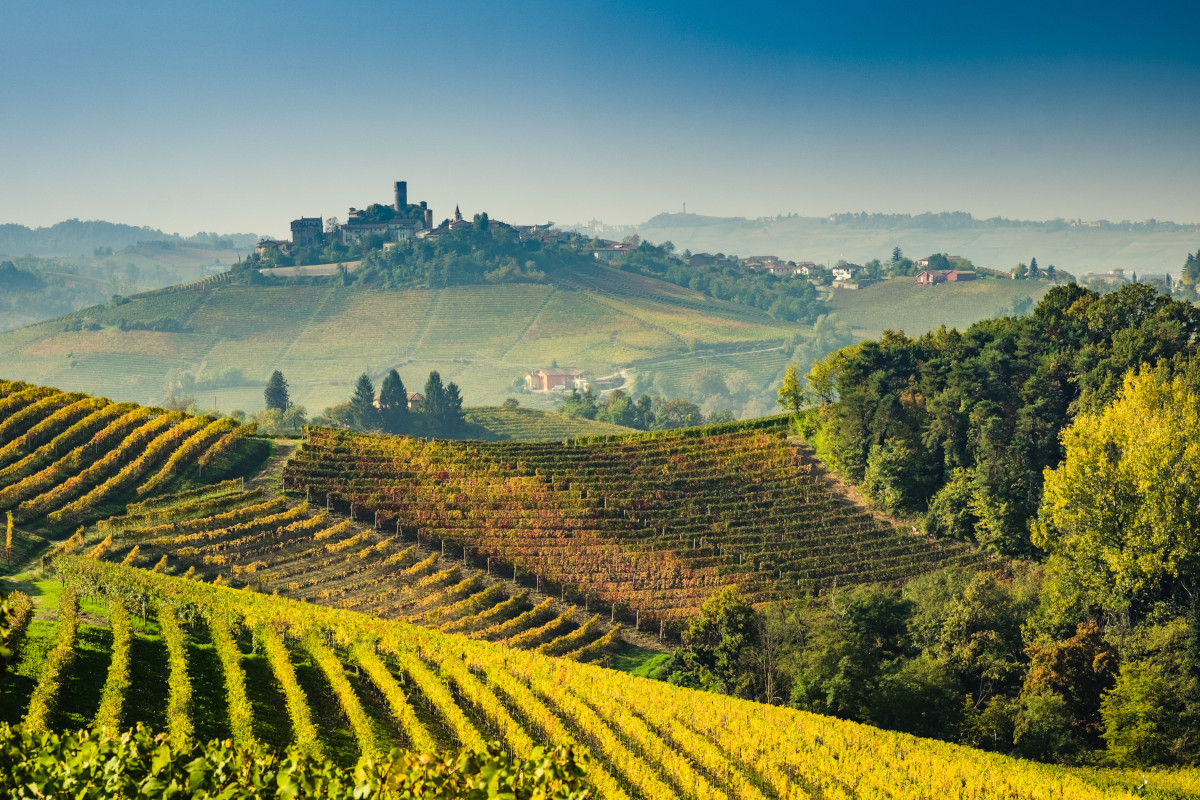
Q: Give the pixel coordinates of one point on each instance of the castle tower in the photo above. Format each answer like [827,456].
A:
[401,196]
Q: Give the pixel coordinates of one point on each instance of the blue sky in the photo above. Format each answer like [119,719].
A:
[240,116]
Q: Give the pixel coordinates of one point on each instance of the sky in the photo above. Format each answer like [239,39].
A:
[238,117]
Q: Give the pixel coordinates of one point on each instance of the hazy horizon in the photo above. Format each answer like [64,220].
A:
[238,119]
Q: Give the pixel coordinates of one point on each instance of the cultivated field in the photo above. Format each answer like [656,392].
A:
[647,524]
[321,337]
[202,661]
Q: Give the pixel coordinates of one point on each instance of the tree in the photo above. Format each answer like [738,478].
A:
[1120,517]
[791,393]
[581,404]
[363,414]
[677,413]
[1034,272]
[393,404]
[452,415]
[722,645]
[276,393]
[433,407]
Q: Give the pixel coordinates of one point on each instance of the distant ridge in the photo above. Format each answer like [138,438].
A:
[75,237]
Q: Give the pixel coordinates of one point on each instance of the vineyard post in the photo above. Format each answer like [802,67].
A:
[661,624]
[377,519]
[613,616]
[637,620]
[399,533]
[489,565]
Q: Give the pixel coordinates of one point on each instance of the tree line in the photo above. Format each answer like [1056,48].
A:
[647,413]
[1064,442]
[438,412]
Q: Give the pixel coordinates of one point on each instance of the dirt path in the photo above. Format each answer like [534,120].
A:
[270,477]
[849,494]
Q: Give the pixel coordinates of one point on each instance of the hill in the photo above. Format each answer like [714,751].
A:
[75,237]
[243,538]
[229,338]
[1152,247]
[648,525]
[499,424]
[60,285]
[209,661]
[900,304]
[67,458]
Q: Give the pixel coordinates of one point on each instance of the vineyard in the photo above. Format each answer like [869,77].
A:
[67,459]
[648,525]
[209,661]
[244,539]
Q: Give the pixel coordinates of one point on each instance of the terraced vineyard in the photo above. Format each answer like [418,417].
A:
[244,539]
[211,661]
[68,458]
[649,524]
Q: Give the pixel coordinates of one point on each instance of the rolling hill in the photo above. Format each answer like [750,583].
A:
[1142,248]
[201,662]
[230,337]
[647,525]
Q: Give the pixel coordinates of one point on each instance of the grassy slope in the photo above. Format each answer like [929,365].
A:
[322,338]
[529,424]
[899,304]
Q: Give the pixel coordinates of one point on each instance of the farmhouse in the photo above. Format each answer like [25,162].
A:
[551,378]
[934,276]
[610,253]
[847,272]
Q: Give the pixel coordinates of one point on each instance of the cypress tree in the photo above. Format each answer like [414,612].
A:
[453,420]
[363,414]
[393,404]
[434,404]
[276,393]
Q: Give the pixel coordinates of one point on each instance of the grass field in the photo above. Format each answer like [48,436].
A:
[530,424]
[899,304]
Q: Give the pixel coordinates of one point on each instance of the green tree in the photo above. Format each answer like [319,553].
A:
[791,394]
[1120,517]
[276,393]
[452,417]
[433,407]
[1034,271]
[720,655]
[393,404]
[363,414]
[581,404]
[677,413]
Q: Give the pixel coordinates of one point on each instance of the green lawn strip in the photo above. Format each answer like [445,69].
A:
[423,707]
[16,687]
[210,713]
[148,670]
[635,661]
[78,696]
[272,726]
[388,732]
[334,731]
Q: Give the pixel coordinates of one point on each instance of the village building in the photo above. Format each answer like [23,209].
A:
[558,378]
[400,221]
[848,272]
[931,277]
[268,246]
